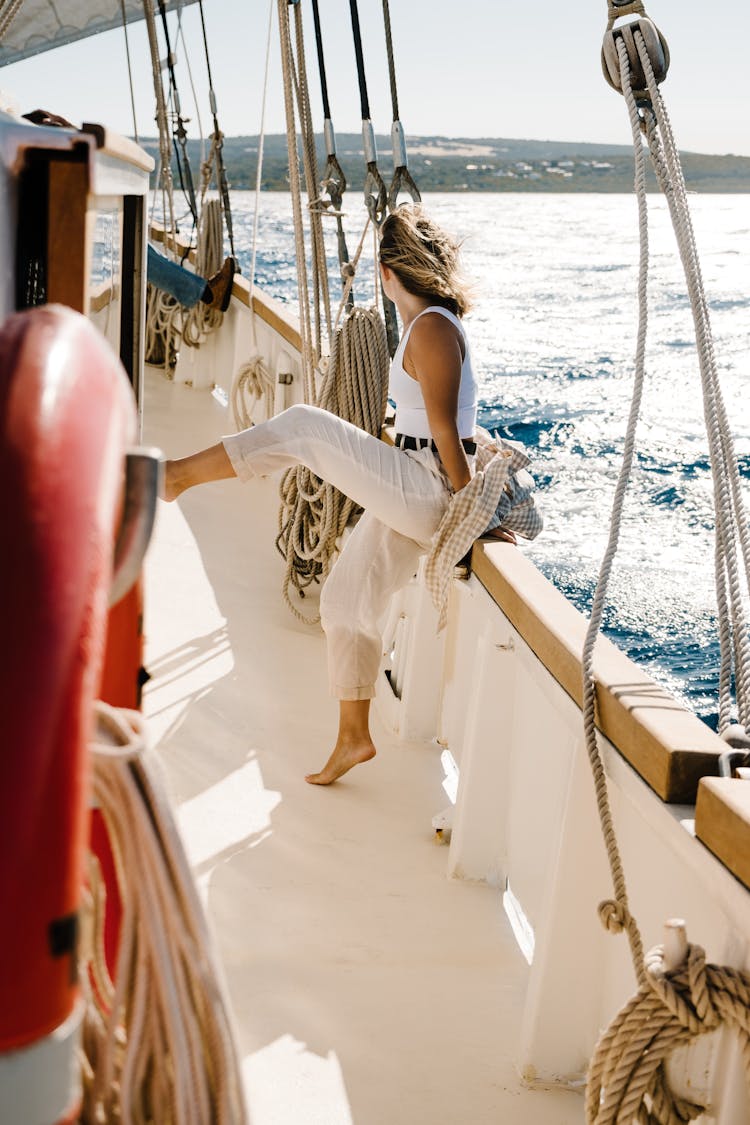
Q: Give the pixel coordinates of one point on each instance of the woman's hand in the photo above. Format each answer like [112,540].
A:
[501,533]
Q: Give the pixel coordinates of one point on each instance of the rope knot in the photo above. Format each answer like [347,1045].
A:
[613,916]
[347,270]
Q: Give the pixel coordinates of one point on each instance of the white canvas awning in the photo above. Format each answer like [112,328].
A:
[30,27]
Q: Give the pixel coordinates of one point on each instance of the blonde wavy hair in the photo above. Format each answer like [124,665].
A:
[425,258]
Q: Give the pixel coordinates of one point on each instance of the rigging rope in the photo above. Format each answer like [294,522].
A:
[158,1043]
[180,135]
[627,1079]
[309,360]
[312,184]
[165,169]
[261,144]
[313,515]
[130,69]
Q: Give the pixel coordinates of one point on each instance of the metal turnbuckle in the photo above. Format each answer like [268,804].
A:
[656,48]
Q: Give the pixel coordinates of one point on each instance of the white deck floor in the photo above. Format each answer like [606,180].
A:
[367,987]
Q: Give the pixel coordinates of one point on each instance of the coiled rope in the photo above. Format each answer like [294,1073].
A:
[252,384]
[158,1042]
[313,514]
[627,1080]
[167,321]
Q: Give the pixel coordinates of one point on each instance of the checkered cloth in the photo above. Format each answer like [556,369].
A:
[516,509]
[496,488]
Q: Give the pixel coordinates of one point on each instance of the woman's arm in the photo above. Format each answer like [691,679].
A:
[434,357]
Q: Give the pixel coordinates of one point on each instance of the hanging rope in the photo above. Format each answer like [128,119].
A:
[8,14]
[313,515]
[253,384]
[627,1080]
[261,144]
[164,178]
[130,69]
[200,319]
[309,360]
[158,1043]
[402,179]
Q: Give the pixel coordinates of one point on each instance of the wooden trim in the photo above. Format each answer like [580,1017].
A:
[270,311]
[722,822]
[668,745]
[122,148]
[67,238]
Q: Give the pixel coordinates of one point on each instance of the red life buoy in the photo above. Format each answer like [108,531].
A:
[66,417]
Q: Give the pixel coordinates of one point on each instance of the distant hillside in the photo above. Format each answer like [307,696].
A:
[481,164]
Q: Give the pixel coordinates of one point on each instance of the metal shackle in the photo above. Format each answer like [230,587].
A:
[656,48]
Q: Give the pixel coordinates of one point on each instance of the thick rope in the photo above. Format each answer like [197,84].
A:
[732,528]
[287,67]
[627,1080]
[313,514]
[8,14]
[312,184]
[198,321]
[165,171]
[158,1041]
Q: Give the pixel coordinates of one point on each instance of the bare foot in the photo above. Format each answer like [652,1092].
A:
[172,486]
[342,759]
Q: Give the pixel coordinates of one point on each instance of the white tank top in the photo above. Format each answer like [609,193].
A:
[405,391]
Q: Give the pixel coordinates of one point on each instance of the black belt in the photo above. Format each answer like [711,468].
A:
[407,441]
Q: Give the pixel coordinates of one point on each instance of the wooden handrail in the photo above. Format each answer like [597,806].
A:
[668,745]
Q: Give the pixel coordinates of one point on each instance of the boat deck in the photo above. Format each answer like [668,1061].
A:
[367,987]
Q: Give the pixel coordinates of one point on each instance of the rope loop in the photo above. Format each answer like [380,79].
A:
[376,194]
[253,383]
[616,9]
[333,181]
[402,181]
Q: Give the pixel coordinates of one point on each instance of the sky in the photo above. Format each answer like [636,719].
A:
[468,68]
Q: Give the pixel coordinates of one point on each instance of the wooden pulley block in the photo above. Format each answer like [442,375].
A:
[656,48]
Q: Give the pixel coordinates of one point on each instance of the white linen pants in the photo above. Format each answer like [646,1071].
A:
[404,495]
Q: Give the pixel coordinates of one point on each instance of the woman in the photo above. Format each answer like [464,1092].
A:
[404,490]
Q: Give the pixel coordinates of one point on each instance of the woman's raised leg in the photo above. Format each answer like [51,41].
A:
[199,468]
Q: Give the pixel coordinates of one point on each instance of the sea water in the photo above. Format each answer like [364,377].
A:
[553,335]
